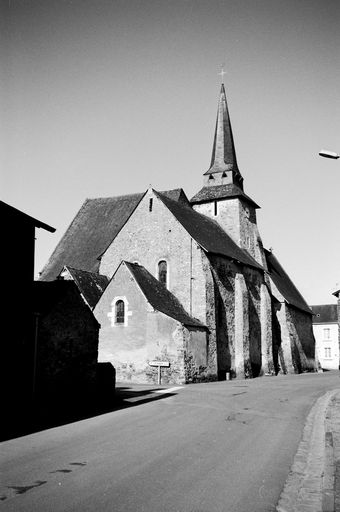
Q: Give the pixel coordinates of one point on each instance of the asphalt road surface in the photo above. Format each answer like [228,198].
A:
[218,447]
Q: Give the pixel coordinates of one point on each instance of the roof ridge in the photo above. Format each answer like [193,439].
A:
[180,315]
[247,258]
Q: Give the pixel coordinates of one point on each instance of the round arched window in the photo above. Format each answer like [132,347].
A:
[162,272]
[120,312]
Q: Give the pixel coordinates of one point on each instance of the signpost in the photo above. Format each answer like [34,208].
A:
[160,364]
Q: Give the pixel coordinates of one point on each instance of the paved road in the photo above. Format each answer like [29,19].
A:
[218,447]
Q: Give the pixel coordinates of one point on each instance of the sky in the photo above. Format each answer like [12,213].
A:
[109,97]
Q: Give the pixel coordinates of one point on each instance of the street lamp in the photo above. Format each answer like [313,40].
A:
[329,154]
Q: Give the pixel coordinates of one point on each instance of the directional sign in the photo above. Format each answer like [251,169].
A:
[159,365]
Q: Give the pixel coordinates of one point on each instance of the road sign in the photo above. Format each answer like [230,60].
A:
[159,365]
[164,364]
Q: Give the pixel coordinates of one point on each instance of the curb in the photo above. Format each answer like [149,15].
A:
[310,485]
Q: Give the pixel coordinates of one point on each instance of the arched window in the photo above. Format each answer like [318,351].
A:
[162,272]
[120,312]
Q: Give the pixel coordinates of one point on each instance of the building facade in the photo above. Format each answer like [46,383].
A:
[189,282]
[326,333]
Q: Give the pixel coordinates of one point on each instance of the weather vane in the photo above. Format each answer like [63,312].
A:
[222,73]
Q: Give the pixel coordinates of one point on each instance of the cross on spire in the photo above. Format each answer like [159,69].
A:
[222,73]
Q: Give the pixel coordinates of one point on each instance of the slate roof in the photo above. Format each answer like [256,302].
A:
[207,232]
[160,297]
[217,192]
[8,211]
[284,284]
[91,285]
[176,194]
[325,313]
[93,229]
[223,155]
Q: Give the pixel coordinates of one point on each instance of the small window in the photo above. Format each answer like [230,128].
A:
[326,334]
[150,204]
[211,177]
[328,352]
[162,272]
[215,208]
[120,312]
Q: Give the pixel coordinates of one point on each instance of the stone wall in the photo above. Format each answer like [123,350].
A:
[211,316]
[302,339]
[239,310]
[295,350]
[254,281]
[196,356]
[146,335]
[150,236]
[224,272]
[238,220]
[67,348]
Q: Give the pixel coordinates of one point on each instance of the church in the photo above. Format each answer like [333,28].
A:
[184,288]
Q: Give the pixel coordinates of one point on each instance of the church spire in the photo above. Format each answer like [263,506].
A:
[223,159]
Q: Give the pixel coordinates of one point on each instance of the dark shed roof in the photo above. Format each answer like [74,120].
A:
[91,285]
[91,231]
[207,232]
[159,296]
[47,294]
[217,192]
[284,284]
[325,313]
[9,211]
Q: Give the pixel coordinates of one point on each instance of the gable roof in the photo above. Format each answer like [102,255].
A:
[90,285]
[93,229]
[212,193]
[10,212]
[159,296]
[207,232]
[325,313]
[284,284]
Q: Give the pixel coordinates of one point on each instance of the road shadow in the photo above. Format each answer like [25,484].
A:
[44,414]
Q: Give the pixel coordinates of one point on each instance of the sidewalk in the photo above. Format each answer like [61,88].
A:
[313,484]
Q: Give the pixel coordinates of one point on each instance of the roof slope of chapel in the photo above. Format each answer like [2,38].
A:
[92,230]
[207,232]
[284,284]
[159,296]
[90,284]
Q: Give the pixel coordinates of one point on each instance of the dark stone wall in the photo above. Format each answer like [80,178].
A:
[254,279]
[67,348]
[302,339]
[224,278]
[224,272]
[196,356]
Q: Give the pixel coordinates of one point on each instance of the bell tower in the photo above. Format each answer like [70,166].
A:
[223,168]
[222,196]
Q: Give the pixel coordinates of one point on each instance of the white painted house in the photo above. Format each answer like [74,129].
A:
[326,333]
